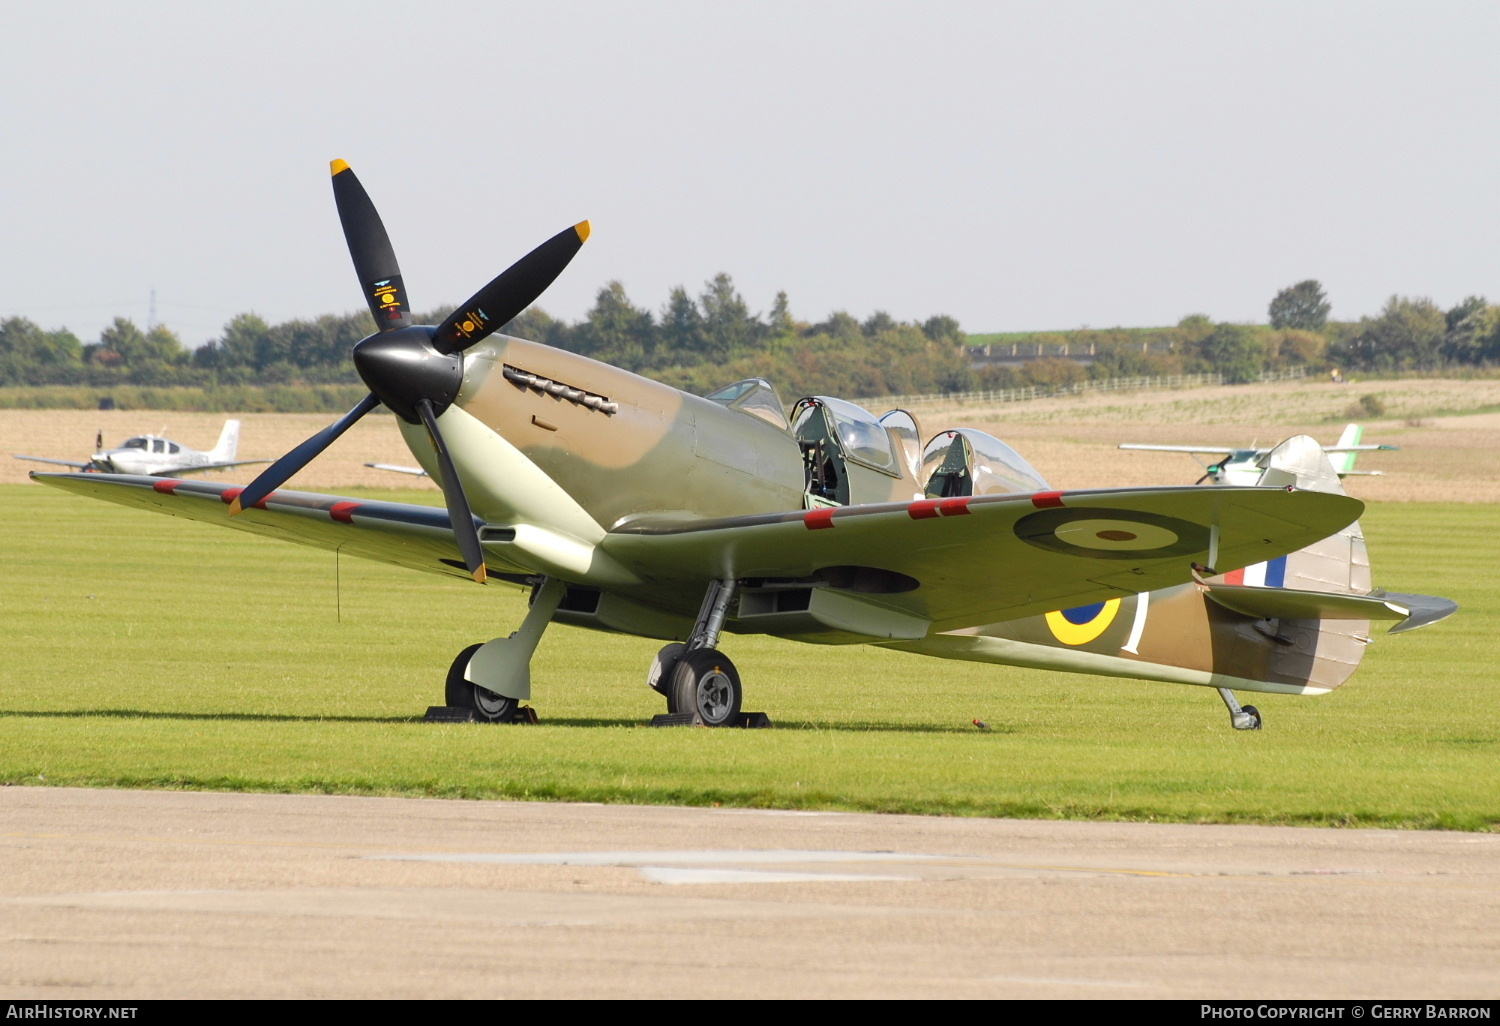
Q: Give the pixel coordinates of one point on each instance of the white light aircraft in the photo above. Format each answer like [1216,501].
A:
[155,456]
[1245,466]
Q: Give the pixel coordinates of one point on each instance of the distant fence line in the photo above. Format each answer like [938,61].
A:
[1015,395]
[1082,352]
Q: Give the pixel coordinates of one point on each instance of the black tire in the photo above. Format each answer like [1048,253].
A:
[659,677]
[706,684]
[463,693]
[1256,713]
[457,690]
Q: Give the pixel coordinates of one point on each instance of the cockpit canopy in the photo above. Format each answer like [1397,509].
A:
[860,435]
[968,462]
[150,443]
[754,396]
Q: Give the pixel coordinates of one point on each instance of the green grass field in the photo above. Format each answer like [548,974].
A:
[144,651]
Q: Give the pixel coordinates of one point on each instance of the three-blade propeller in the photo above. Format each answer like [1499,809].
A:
[417,370]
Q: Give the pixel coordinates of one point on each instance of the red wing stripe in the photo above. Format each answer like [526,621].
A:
[954,507]
[229,495]
[924,509]
[818,519]
[343,511]
[1047,500]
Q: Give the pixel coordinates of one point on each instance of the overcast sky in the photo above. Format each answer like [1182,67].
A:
[1015,165]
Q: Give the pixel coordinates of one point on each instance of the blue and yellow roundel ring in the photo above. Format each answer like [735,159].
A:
[1082,624]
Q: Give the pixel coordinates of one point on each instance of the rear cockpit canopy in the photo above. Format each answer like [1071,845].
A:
[968,462]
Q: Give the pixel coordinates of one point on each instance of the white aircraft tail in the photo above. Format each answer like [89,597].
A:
[229,443]
[1343,462]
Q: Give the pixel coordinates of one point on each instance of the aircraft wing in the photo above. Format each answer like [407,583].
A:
[60,463]
[1204,450]
[207,467]
[404,534]
[397,468]
[968,561]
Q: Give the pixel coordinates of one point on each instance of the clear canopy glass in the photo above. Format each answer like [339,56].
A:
[860,435]
[754,396]
[990,466]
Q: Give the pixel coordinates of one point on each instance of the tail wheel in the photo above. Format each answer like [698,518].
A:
[706,684]
[465,694]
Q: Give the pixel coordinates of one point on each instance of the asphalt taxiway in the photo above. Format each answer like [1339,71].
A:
[148,894]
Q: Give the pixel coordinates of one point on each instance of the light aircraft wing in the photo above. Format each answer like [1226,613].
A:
[1205,450]
[404,534]
[60,463]
[967,561]
[397,468]
[206,467]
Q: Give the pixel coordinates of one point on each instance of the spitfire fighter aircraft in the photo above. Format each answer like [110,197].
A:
[625,505]
[1244,466]
[155,456]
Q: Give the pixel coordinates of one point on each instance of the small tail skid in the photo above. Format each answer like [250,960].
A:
[1298,624]
[228,445]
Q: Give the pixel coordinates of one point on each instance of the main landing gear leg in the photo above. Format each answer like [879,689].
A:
[696,678]
[1241,718]
[491,680]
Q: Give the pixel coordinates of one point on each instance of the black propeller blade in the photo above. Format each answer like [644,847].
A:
[276,475]
[512,291]
[374,258]
[459,514]
[415,370]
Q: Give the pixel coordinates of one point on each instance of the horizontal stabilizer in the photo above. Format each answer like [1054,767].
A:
[1294,604]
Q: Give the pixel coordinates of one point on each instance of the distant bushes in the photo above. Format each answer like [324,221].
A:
[215,399]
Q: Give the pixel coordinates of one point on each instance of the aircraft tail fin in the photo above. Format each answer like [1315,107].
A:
[1315,606]
[229,443]
[1343,462]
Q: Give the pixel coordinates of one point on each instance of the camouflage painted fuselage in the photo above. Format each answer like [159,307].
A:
[627,450]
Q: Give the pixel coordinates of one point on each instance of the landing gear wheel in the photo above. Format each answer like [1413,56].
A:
[706,684]
[659,677]
[1253,715]
[465,694]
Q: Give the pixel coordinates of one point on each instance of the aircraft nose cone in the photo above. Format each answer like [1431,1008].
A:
[401,367]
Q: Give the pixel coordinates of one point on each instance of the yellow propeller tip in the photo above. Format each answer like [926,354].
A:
[480,576]
[338,166]
[583,229]
[235,508]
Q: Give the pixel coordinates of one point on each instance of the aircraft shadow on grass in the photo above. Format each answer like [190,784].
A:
[854,727]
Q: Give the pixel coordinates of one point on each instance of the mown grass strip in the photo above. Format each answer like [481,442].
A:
[143,651]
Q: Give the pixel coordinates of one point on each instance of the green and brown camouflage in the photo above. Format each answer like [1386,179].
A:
[628,505]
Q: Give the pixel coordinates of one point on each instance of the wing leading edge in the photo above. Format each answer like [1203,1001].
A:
[967,561]
[403,534]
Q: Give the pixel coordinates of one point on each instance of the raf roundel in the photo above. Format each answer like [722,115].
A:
[1111,533]
[1082,624]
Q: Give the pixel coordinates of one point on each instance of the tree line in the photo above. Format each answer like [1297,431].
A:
[1409,335]
[701,342]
